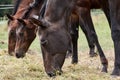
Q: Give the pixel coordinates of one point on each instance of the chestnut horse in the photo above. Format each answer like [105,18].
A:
[20,29]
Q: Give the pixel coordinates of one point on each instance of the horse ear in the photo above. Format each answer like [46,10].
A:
[21,21]
[39,23]
[10,17]
[35,21]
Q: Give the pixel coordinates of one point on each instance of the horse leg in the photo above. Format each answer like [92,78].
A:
[115,28]
[85,16]
[91,44]
[106,10]
[74,35]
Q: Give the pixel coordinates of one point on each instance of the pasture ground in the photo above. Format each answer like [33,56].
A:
[31,67]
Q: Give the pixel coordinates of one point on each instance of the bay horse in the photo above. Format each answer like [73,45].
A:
[21,31]
[114,6]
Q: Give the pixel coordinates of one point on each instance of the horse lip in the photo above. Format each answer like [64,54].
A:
[20,54]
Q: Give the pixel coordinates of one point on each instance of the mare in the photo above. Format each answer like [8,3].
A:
[51,25]
[114,6]
[21,31]
[81,16]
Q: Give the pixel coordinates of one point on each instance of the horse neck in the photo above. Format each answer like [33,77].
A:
[22,8]
[56,11]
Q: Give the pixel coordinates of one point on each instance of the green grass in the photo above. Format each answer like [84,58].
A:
[31,67]
[103,33]
[3,35]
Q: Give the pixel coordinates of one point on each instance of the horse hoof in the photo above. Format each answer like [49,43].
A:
[74,61]
[104,69]
[93,54]
[116,72]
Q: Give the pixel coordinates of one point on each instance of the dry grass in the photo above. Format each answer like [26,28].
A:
[31,68]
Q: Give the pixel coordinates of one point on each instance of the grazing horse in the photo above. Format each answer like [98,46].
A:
[81,16]
[50,25]
[54,35]
[114,6]
[21,31]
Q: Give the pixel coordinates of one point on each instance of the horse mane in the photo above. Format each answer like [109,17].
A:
[42,10]
[33,5]
[17,3]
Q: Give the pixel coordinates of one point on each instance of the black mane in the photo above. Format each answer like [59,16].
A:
[33,5]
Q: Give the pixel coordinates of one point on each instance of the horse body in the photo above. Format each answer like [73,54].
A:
[95,4]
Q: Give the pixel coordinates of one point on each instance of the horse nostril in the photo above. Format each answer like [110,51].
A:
[43,41]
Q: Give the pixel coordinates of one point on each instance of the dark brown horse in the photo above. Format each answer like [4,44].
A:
[81,16]
[114,6]
[21,31]
[51,21]
[54,35]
